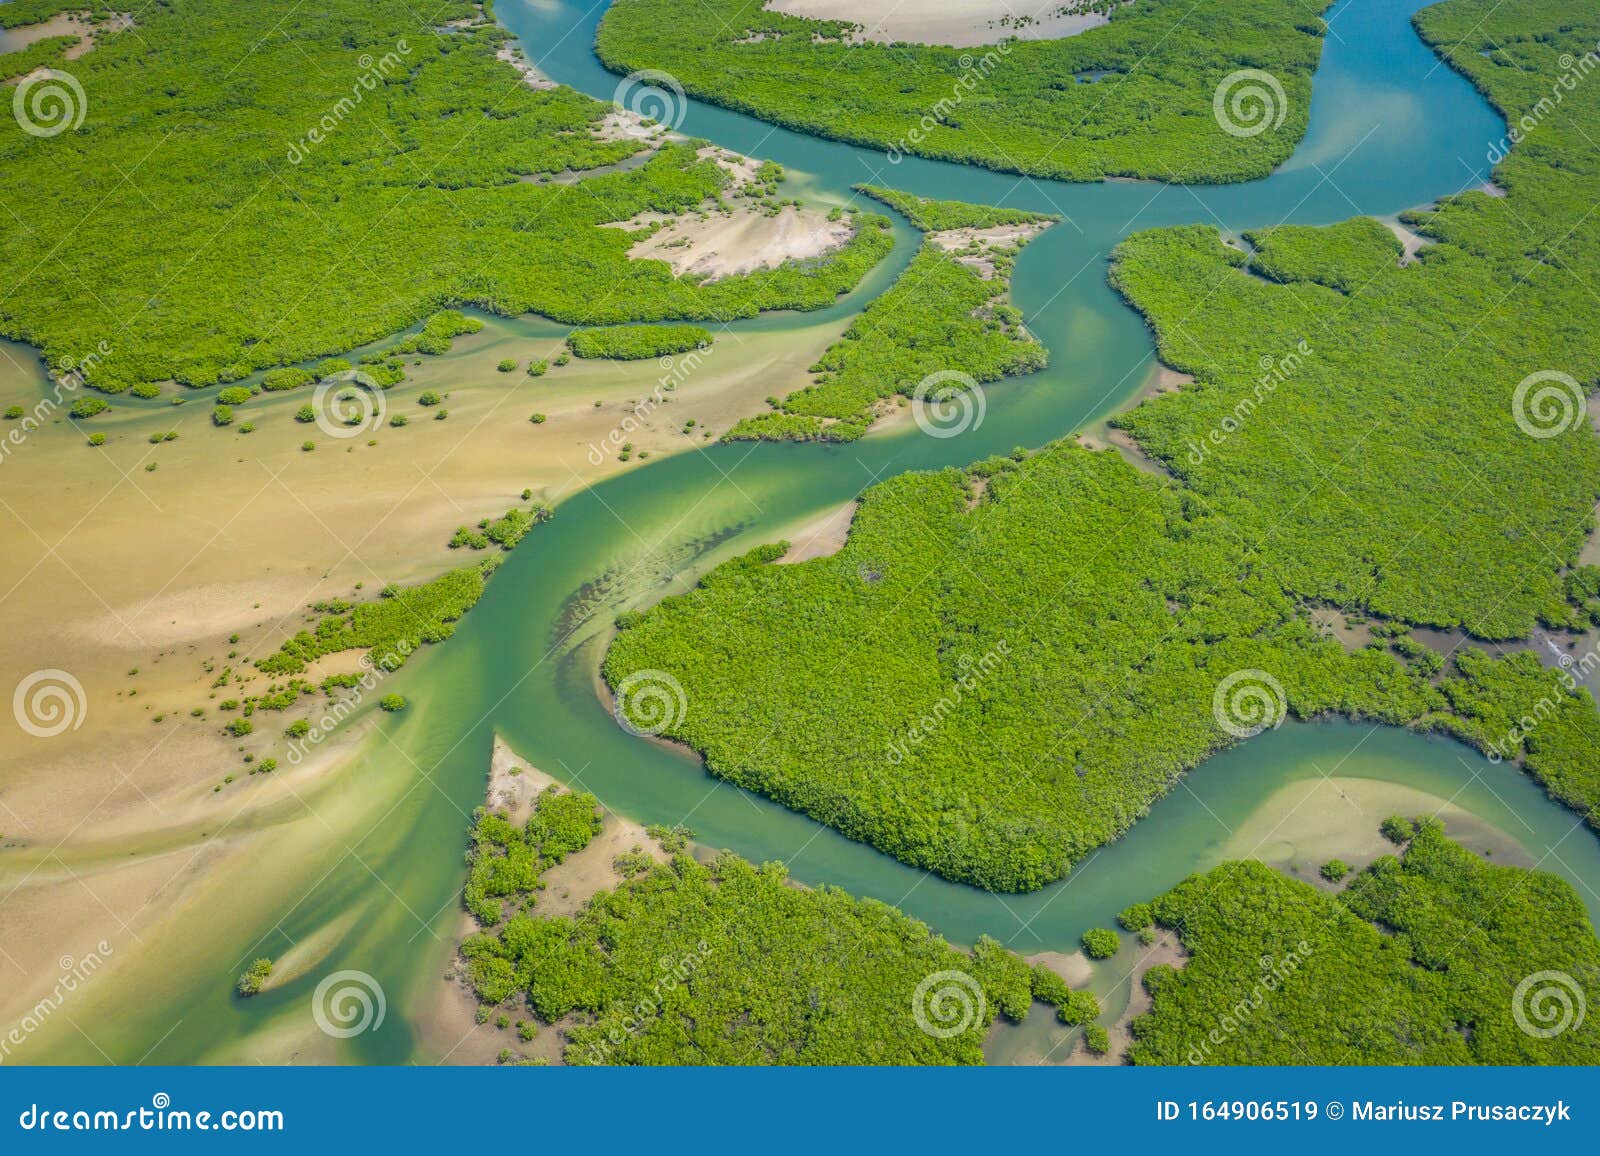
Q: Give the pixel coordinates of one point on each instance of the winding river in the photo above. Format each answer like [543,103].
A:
[1390,128]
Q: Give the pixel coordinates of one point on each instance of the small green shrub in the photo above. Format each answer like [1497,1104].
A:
[254,977]
[1100,943]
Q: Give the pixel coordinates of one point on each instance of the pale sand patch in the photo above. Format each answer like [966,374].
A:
[309,952]
[958,23]
[718,244]
[1073,967]
[625,124]
[1412,242]
[977,248]
[1121,442]
[531,76]
[1303,825]
[822,536]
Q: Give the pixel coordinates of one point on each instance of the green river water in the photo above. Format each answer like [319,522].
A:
[1391,128]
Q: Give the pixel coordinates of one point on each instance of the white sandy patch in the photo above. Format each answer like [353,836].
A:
[976,248]
[1413,242]
[1073,967]
[718,244]
[959,23]
[624,124]
[820,537]
[531,76]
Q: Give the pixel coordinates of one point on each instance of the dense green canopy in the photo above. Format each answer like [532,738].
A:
[1134,98]
[1004,667]
[728,963]
[1422,960]
[255,185]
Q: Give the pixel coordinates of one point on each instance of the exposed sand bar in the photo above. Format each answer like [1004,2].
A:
[958,23]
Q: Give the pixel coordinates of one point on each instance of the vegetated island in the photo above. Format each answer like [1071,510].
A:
[637,342]
[719,962]
[1134,98]
[1427,957]
[1006,665]
[310,244]
[942,328]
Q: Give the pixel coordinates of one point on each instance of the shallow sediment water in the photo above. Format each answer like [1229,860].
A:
[1391,128]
